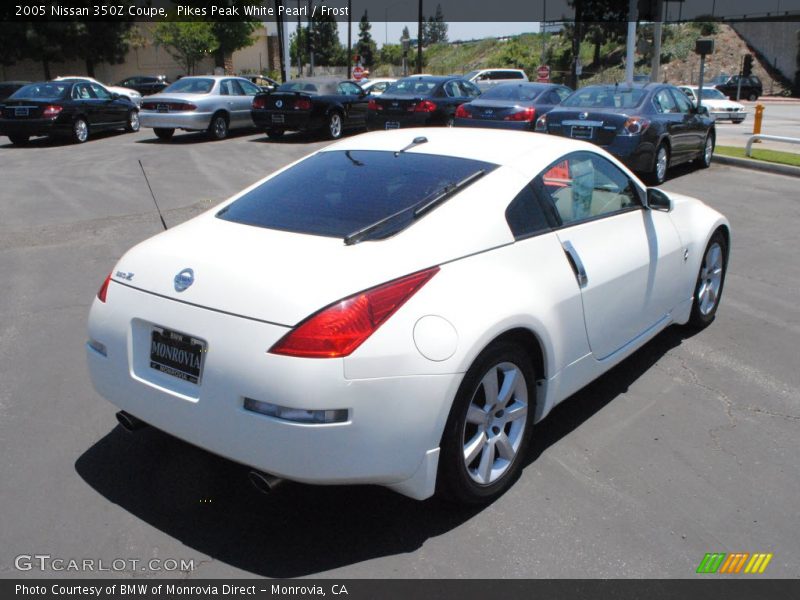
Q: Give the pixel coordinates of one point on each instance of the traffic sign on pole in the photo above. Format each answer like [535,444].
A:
[543,74]
[358,72]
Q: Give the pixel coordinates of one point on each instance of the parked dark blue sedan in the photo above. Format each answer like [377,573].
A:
[511,105]
[650,127]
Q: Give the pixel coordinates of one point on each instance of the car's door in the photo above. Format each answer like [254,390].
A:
[673,122]
[229,92]
[695,126]
[627,259]
[249,91]
[111,111]
[355,102]
[88,104]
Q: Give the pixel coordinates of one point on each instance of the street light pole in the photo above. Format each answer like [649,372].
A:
[419,39]
[630,55]
[349,39]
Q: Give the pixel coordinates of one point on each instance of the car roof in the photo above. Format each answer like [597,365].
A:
[497,146]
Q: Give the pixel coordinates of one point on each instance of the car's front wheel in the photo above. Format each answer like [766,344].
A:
[708,152]
[132,125]
[710,280]
[489,426]
[18,140]
[752,97]
[163,133]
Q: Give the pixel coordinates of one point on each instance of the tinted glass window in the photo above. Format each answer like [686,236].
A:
[100,92]
[585,186]
[713,94]
[82,92]
[606,97]
[682,101]
[412,86]
[525,216]
[664,102]
[191,85]
[350,190]
[297,86]
[469,89]
[249,88]
[42,90]
[349,89]
[451,89]
[512,91]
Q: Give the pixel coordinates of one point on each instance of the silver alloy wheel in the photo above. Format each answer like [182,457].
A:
[81,130]
[335,125]
[661,164]
[709,150]
[133,120]
[220,127]
[710,279]
[495,423]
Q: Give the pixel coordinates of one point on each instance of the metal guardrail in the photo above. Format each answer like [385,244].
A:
[769,138]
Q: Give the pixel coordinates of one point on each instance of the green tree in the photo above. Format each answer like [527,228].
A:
[232,36]
[328,49]
[437,28]
[367,47]
[391,54]
[50,41]
[12,40]
[187,42]
[102,42]
[406,35]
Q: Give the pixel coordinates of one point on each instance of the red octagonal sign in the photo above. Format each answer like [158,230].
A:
[358,73]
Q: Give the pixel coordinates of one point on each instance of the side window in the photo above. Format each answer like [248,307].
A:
[82,92]
[349,89]
[451,89]
[682,101]
[226,88]
[249,88]
[525,215]
[513,75]
[563,93]
[100,92]
[586,186]
[468,90]
[236,88]
[664,102]
[552,97]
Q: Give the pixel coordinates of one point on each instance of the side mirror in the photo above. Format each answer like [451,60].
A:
[702,110]
[658,200]
[115,96]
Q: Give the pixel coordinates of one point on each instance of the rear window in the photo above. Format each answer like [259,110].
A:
[191,86]
[297,86]
[605,97]
[46,91]
[512,91]
[412,86]
[336,193]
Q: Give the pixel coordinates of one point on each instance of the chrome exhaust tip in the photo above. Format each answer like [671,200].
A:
[129,422]
[264,482]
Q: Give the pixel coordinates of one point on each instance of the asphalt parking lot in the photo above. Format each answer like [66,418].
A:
[688,447]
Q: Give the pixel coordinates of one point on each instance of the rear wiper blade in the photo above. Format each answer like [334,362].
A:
[417,210]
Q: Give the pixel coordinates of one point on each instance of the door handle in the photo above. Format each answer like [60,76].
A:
[576,264]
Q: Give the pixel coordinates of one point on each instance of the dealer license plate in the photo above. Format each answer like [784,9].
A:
[177,354]
[278,118]
[21,112]
[582,132]
[392,125]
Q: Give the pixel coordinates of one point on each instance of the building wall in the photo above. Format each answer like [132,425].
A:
[775,40]
[150,60]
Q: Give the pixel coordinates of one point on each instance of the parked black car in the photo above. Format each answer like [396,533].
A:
[9,87]
[511,106]
[65,108]
[420,101]
[145,84]
[751,86]
[650,127]
[315,104]
[267,84]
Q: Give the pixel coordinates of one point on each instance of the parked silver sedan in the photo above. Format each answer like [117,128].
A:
[211,103]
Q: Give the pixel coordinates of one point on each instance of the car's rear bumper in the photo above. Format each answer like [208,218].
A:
[273,119]
[390,436]
[377,120]
[33,127]
[193,121]
[726,115]
[486,124]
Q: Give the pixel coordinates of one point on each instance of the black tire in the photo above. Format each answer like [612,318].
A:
[457,480]
[163,134]
[218,128]
[450,121]
[703,315]
[80,130]
[656,176]
[334,127]
[132,125]
[706,156]
[275,134]
[18,140]
[752,97]
[737,121]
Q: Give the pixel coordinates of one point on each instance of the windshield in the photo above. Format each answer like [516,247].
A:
[605,97]
[512,91]
[471,74]
[712,94]
[191,85]
[351,190]
[46,91]
[412,86]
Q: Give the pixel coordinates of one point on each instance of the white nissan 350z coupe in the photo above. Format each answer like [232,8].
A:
[401,307]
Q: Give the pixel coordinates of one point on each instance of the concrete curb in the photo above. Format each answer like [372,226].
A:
[757,165]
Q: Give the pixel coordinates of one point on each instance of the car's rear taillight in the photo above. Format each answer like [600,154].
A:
[635,126]
[52,111]
[182,106]
[302,104]
[541,123]
[338,329]
[526,114]
[373,105]
[462,112]
[148,105]
[103,291]
[425,106]
[260,102]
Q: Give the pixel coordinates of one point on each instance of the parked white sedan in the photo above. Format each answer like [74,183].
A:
[401,307]
[720,107]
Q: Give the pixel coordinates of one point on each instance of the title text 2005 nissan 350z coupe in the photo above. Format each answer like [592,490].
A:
[401,307]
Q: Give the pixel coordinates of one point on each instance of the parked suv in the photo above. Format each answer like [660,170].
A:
[486,78]
[751,86]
